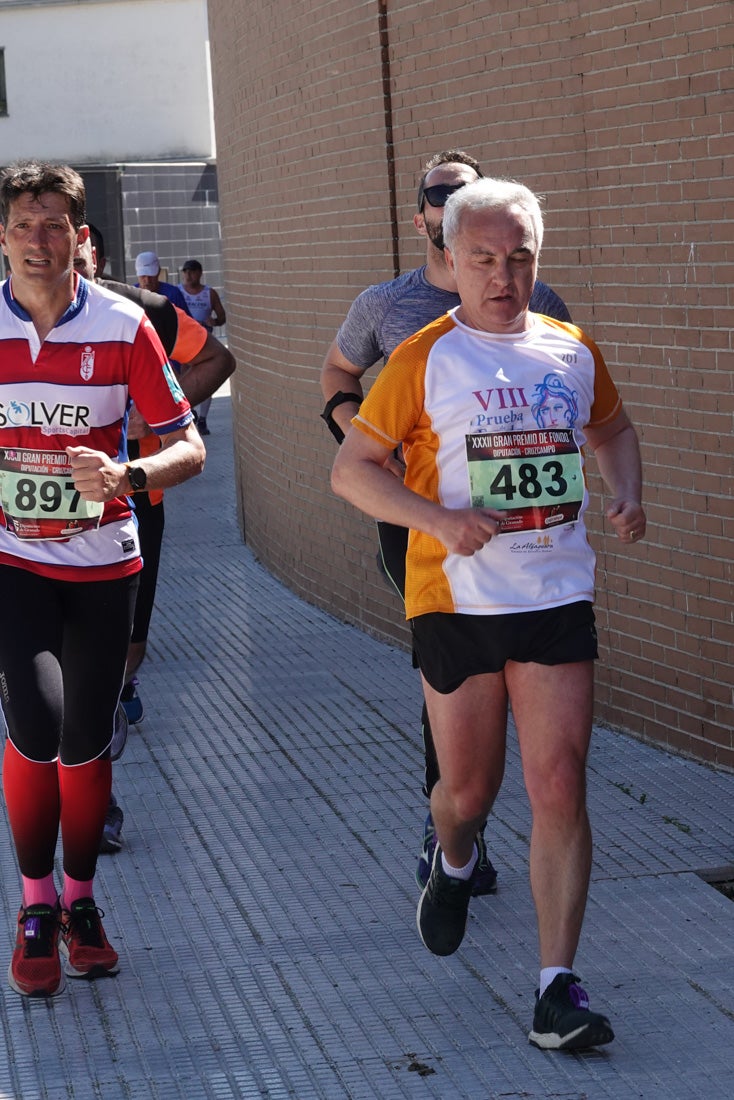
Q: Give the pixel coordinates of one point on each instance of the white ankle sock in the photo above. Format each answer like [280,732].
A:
[464,873]
[547,974]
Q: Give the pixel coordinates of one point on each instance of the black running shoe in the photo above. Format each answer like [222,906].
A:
[443,909]
[428,850]
[484,879]
[563,1020]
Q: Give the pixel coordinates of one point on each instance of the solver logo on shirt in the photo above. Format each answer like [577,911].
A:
[51,418]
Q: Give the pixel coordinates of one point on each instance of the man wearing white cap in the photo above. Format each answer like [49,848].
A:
[148,269]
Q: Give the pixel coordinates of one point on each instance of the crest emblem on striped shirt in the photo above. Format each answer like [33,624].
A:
[87,365]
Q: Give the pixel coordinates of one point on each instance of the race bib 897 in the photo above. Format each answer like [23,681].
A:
[39,498]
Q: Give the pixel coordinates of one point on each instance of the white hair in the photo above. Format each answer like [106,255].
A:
[490,194]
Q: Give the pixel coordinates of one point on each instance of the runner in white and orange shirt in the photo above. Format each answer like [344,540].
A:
[493,405]
[379,319]
[72,359]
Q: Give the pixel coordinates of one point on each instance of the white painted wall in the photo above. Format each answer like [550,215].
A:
[101,81]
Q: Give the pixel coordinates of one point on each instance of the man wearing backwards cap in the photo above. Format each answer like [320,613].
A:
[148,269]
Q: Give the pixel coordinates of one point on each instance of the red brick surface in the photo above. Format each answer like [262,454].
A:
[622,119]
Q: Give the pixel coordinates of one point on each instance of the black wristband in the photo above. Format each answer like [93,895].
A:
[339,398]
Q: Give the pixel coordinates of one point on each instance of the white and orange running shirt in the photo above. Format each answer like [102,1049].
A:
[496,421]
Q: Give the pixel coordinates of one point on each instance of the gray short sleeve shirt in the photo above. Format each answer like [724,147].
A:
[385,314]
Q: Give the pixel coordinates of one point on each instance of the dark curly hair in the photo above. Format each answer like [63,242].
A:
[34,178]
[446,156]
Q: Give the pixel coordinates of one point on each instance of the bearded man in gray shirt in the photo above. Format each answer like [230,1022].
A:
[379,319]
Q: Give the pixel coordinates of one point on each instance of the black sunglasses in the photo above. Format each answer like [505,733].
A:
[438,194]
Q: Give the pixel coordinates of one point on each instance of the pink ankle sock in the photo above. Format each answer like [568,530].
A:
[75,889]
[39,891]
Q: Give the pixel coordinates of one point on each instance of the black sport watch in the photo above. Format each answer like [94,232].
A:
[137,477]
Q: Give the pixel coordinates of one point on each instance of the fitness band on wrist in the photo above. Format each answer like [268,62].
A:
[339,398]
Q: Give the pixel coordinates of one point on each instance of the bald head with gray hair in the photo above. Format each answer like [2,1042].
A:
[491,194]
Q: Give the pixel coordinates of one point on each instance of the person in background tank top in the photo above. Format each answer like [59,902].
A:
[205,306]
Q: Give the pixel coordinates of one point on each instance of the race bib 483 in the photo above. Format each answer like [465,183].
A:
[534,477]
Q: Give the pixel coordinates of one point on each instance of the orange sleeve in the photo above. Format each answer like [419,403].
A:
[395,403]
[190,338]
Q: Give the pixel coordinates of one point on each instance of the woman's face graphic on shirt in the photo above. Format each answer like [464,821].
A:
[554,413]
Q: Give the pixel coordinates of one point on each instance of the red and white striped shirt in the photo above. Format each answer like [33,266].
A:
[75,389]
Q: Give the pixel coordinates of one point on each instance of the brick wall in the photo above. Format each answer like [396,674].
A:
[622,119]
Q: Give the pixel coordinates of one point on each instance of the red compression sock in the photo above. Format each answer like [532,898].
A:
[85,796]
[32,797]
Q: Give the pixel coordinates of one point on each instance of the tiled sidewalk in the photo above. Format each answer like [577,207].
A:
[264,903]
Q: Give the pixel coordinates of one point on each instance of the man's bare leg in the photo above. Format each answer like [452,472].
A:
[469,729]
[552,708]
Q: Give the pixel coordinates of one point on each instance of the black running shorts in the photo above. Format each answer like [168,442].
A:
[449,648]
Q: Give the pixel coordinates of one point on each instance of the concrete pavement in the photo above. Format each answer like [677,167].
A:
[264,902]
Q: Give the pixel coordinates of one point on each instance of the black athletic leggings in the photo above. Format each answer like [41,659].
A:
[393,548]
[151,522]
[63,646]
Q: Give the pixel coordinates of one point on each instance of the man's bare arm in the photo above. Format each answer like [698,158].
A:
[207,371]
[219,316]
[361,477]
[100,477]
[617,452]
[339,375]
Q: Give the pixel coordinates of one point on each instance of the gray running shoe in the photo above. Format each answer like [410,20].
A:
[119,736]
[111,841]
[484,879]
